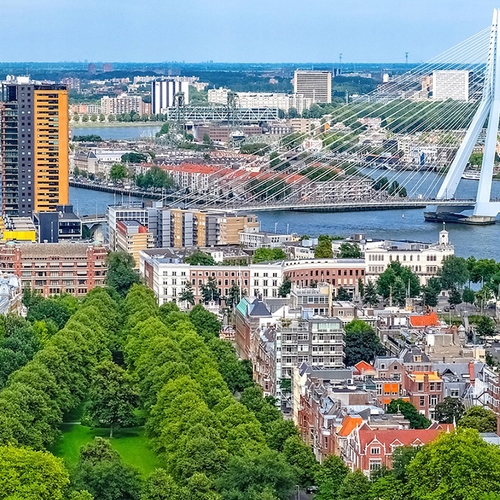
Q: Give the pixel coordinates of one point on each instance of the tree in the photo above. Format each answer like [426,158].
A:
[276,162]
[479,418]
[209,291]
[205,323]
[361,343]
[248,476]
[330,476]
[349,251]
[468,468]
[454,273]
[399,282]
[161,486]
[31,475]
[118,172]
[199,258]
[343,294]
[234,295]
[112,397]
[134,157]
[431,292]
[324,248]
[268,254]
[468,296]
[101,472]
[370,296]
[121,272]
[417,420]
[355,486]
[485,326]
[285,287]
[455,297]
[187,294]
[301,458]
[49,309]
[450,410]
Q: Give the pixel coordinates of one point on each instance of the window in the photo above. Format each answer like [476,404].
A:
[422,400]
[375,451]
[420,387]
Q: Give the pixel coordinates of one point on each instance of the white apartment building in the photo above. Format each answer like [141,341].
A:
[424,259]
[167,277]
[262,100]
[451,84]
[129,212]
[315,85]
[262,239]
[122,104]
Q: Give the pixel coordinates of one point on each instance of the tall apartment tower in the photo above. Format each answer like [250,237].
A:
[163,94]
[34,136]
[315,85]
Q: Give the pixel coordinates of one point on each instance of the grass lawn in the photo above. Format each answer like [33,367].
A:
[131,444]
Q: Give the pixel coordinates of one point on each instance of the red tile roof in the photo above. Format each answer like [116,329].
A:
[398,437]
[424,321]
[349,424]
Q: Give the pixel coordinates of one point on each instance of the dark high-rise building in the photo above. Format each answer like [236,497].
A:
[34,139]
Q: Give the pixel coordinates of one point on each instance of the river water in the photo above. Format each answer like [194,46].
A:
[480,241]
[125,132]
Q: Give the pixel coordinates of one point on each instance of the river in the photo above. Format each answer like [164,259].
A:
[480,241]
[124,132]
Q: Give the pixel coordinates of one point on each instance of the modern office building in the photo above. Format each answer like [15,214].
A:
[34,147]
[451,84]
[315,85]
[132,237]
[163,94]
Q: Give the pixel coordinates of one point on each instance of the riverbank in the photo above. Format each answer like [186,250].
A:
[90,124]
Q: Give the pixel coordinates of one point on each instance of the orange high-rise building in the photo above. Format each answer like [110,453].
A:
[34,136]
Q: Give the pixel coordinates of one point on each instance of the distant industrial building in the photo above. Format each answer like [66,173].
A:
[315,85]
[262,100]
[163,94]
[451,84]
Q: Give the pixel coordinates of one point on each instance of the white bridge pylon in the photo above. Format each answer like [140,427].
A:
[489,109]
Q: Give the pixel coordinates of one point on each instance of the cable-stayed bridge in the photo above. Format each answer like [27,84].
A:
[406,144]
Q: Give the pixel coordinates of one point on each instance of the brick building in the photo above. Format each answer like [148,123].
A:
[53,268]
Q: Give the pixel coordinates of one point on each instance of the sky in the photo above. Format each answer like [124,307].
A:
[236,30]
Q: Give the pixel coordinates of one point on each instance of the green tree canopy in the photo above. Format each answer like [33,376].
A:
[450,410]
[417,420]
[479,418]
[199,258]
[362,343]
[454,273]
[31,475]
[349,251]
[112,397]
[121,272]
[399,282]
[118,172]
[268,254]
[468,468]
[101,472]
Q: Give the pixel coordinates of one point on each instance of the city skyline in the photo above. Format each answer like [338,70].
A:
[292,31]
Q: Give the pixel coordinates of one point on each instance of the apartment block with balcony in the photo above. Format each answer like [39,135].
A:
[54,268]
[132,237]
[34,146]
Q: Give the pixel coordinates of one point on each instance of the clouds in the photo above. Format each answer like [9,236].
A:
[236,30]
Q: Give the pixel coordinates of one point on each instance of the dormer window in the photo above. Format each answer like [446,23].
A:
[375,450]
